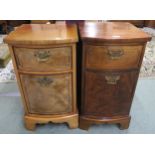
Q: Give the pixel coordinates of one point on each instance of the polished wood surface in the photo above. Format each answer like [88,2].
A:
[46,72]
[54,93]
[110,70]
[112,32]
[44,60]
[71,120]
[43,34]
[138,23]
[111,95]
[112,57]
[86,122]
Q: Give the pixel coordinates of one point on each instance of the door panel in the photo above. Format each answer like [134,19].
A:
[108,94]
[48,94]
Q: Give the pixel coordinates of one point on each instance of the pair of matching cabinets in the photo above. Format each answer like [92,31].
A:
[79,74]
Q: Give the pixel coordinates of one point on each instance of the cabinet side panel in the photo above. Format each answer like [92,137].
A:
[18,78]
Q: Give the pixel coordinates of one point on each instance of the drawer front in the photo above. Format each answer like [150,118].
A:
[44,60]
[110,94]
[112,57]
[48,94]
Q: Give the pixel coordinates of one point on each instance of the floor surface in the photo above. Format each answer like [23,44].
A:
[142,112]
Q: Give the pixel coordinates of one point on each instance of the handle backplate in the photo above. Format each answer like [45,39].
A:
[115,54]
[112,79]
[45,81]
[42,56]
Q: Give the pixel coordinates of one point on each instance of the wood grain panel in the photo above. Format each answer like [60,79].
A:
[48,94]
[112,32]
[108,99]
[43,34]
[113,57]
[44,60]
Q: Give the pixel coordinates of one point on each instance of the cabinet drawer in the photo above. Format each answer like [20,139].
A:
[48,94]
[113,57]
[44,60]
[109,94]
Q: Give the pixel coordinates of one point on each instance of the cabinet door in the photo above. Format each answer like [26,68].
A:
[108,94]
[50,94]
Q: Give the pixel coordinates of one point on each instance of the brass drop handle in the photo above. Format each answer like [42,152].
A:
[112,79]
[45,81]
[42,56]
[115,54]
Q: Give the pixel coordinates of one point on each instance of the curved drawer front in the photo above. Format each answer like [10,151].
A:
[109,94]
[48,94]
[44,60]
[112,57]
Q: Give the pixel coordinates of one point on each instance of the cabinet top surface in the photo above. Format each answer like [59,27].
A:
[43,34]
[112,32]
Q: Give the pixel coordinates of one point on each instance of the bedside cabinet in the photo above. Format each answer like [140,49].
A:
[44,59]
[112,56]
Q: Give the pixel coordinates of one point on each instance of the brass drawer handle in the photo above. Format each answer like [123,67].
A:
[45,81]
[115,54]
[112,79]
[42,56]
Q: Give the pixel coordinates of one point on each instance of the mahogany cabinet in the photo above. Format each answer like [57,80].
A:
[112,54]
[44,59]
